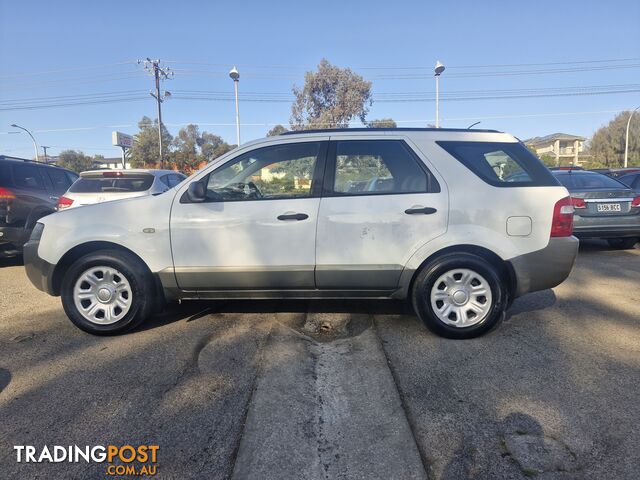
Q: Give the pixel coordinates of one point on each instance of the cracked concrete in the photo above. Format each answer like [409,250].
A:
[327,410]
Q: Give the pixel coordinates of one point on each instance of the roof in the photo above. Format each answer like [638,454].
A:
[375,130]
[18,159]
[552,138]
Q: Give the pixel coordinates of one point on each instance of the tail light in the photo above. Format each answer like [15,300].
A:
[578,203]
[562,223]
[64,202]
[6,194]
[634,203]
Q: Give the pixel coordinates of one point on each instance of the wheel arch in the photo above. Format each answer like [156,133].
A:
[505,269]
[82,249]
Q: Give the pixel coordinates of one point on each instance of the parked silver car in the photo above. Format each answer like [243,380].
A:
[97,186]
[604,207]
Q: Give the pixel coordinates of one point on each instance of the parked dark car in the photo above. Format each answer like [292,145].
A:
[632,180]
[604,207]
[620,172]
[28,191]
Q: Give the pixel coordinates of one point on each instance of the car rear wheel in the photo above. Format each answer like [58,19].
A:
[459,296]
[107,292]
[622,243]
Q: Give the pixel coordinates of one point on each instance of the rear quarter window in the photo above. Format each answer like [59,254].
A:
[501,164]
[5,175]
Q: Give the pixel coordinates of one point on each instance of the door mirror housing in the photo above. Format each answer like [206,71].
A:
[197,192]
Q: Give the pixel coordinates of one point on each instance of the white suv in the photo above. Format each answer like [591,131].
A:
[460,222]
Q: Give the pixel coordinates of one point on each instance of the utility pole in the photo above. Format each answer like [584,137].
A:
[44,148]
[159,73]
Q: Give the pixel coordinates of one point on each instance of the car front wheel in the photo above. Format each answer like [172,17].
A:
[107,292]
[459,296]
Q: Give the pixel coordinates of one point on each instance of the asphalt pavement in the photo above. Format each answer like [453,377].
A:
[325,389]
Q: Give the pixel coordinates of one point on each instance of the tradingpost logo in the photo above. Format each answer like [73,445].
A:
[120,461]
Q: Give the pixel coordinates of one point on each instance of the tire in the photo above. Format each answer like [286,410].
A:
[112,281]
[622,243]
[483,301]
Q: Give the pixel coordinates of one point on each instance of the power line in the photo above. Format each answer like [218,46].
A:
[74,69]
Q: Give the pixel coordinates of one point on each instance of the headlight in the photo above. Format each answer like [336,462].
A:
[36,233]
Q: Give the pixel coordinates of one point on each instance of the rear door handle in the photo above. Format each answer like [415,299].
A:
[423,210]
[293,216]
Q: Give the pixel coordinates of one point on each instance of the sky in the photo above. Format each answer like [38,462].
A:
[63,52]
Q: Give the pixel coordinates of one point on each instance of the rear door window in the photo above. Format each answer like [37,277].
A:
[374,167]
[124,184]
[59,180]
[501,164]
[27,176]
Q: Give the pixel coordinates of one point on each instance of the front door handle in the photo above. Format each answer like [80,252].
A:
[423,210]
[293,216]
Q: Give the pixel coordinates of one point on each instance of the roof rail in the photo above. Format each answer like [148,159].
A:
[401,129]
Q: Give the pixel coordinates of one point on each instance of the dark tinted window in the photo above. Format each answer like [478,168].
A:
[165,180]
[27,176]
[632,180]
[588,181]
[127,183]
[71,176]
[59,180]
[176,180]
[282,171]
[369,167]
[501,164]
[5,175]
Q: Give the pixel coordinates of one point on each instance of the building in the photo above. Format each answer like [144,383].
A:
[558,145]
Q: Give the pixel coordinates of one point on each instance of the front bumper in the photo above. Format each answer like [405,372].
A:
[39,271]
[545,268]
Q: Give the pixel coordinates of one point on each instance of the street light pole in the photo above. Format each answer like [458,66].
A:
[35,144]
[439,68]
[626,138]
[235,76]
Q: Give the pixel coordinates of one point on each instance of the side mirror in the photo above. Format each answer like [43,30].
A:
[197,192]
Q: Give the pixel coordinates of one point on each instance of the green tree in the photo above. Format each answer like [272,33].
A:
[145,146]
[185,154]
[277,130]
[213,146]
[75,160]
[382,123]
[607,144]
[330,98]
[191,147]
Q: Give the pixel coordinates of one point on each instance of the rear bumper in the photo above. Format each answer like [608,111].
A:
[16,236]
[545,268]
[609,232]
[39,271]
[606,227]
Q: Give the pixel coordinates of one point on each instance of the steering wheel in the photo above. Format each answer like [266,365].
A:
[255,191]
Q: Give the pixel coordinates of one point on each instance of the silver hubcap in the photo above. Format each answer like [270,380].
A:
[461,298]
[102,295]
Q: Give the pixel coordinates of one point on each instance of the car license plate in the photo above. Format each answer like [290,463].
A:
[609,207]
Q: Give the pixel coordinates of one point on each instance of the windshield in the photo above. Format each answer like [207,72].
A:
[132,183]
[588,181]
